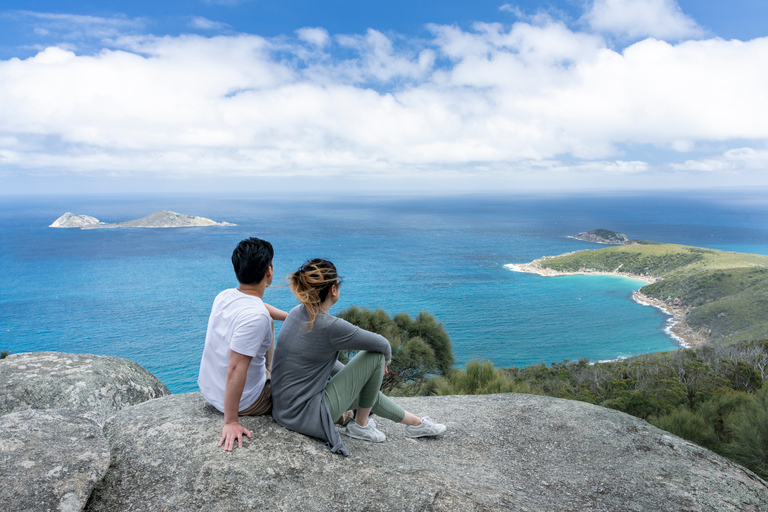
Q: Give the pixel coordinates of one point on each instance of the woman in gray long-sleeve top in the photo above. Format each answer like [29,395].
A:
[306,356]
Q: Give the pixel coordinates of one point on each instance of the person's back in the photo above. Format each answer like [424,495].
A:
[238,322]
[306,356]
[236,362]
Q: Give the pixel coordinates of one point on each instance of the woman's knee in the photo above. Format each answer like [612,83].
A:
[376,357]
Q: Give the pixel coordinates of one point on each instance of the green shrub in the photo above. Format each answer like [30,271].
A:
[688,425]
[478,378]
[748,432]
[719,408]
[420,346]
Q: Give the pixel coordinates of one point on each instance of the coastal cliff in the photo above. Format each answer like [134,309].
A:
[159,219]
[501,452]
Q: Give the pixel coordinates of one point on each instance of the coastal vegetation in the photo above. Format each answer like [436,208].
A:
[604,236]
[726,292]
[713,395]
[420,346]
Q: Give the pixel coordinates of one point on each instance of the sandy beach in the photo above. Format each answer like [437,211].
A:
[678,327]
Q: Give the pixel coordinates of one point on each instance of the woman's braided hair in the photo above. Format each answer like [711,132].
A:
[312,283]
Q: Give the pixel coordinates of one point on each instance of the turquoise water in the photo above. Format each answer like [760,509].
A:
[146,294]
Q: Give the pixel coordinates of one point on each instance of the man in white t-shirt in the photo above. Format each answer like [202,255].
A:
[237,358]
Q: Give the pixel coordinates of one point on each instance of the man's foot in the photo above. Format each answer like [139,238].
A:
[427,428]
[366,433]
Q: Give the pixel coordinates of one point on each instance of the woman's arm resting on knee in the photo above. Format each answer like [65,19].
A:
[345,336]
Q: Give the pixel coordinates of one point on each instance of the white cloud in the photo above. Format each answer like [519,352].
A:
[491,101]
[735,160]
[206,24]
[75,27]
[380,60]
[513,10]
[636,19]
[317,36]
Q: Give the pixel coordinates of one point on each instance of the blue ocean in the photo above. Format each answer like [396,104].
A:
[145,294]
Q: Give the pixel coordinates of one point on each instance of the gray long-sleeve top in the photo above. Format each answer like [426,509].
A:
[303,363]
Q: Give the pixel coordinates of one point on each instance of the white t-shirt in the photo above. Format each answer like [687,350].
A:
[239,322]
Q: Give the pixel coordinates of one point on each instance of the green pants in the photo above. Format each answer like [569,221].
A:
[358,384]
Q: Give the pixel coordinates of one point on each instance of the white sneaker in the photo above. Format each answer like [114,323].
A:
[366,433]
[427,428]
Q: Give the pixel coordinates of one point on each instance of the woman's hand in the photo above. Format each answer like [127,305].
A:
[386,367]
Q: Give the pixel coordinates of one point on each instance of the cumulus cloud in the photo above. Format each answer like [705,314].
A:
[491,100]
[636,19]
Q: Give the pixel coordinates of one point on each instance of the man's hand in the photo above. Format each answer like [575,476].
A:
[232,431]
[386,367]
[233,390]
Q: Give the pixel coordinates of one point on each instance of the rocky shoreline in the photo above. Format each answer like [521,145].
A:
[678,327]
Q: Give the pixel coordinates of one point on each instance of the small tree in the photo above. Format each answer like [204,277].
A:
[420,347]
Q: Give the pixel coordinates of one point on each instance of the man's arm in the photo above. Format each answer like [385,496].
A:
[233,391]
[276,314]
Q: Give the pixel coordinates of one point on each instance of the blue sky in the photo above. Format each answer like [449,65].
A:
[419,96]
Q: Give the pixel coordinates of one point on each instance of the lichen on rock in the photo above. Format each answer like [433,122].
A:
[500,452]
[51,459]
[51,380]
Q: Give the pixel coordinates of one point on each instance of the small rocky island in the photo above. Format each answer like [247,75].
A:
[605,236]
[160,219]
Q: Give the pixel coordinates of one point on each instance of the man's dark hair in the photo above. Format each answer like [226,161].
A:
[251,259]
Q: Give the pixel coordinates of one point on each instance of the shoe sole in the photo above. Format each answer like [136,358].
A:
[412,436]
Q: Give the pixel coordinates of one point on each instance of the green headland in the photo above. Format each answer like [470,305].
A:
[716,296]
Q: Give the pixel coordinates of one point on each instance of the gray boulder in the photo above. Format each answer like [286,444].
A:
[50,460]
[70,220]
[52,380]
[500,452]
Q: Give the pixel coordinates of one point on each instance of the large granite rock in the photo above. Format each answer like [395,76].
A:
[71,220]
[52,380]
[50,460]
[501,452]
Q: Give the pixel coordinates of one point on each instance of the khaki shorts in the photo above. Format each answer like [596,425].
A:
[262,405]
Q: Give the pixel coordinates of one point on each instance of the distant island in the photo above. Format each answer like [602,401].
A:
[160,219]
[713,295]
[605,236]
